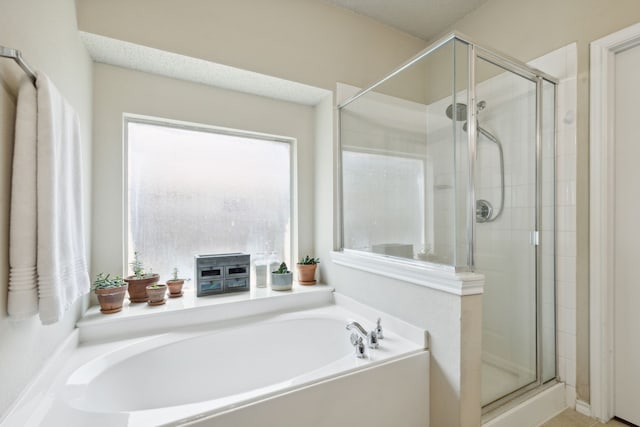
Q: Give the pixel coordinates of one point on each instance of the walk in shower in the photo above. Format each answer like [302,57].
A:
[449,162]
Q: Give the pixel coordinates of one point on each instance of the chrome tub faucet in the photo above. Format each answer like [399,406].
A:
[358,335]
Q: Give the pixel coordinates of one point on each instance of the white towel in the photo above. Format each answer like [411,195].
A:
[23,294]
[48,270]
[61,264]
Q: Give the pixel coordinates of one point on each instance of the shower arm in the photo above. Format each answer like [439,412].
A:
[458,112]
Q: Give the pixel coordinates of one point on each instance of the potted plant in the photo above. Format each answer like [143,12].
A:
[307,270]
[156,293]
[140,280]
[110,293]
[282,278]
[175,284]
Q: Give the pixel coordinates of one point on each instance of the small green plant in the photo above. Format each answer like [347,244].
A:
[105,282]
[307,260]
[174,275]
[136,265]
[156,286]
[282,269]
[138,268]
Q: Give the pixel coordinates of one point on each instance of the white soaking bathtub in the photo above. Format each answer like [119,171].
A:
[277,369]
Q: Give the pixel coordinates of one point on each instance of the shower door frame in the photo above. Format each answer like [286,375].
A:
[536,76]
[538,79]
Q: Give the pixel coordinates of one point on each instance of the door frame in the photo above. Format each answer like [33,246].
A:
[601,214]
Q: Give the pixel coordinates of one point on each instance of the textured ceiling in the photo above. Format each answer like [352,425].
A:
[142,58]
[425,19]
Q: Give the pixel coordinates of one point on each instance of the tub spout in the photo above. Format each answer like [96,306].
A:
[358,328]
[360,332]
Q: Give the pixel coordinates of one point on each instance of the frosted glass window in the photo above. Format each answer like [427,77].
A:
[383,203]
[198,191]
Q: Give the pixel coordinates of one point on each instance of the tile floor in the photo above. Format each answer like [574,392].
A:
[571,418]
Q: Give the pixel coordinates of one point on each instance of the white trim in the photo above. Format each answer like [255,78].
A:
[583,407]
[417,273]
[601,148]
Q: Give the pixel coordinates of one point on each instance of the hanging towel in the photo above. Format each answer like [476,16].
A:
[61,265]
[23,293]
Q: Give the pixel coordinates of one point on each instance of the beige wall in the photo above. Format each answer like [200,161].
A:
[528,29]
[305,41]
[118,91]
[45,31]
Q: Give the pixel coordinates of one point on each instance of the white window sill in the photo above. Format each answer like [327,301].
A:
[142,319]
[442,279]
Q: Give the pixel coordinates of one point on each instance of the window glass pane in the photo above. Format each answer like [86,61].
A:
[194,191]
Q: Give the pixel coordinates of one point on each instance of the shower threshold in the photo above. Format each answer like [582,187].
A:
[532,408]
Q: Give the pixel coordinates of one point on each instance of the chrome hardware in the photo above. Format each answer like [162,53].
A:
[358,345]
[372,339]
[358,328]
[534,238]
[361,333]
[378,330]
[483,210]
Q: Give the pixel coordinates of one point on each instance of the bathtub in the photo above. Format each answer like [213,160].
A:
[296,368]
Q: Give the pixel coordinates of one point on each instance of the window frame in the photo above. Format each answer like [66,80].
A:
[219,130]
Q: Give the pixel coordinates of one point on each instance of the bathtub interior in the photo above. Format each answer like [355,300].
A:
[191,369]
[206,369]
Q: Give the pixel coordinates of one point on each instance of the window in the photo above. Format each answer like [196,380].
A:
[201,190]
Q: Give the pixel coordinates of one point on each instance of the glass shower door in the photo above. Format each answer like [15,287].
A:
[506,206]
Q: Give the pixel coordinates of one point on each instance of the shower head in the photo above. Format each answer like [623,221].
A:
[460,112]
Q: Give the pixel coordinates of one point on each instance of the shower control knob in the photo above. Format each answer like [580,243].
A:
[483,210]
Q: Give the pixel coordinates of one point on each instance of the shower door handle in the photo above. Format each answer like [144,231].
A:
[534,238]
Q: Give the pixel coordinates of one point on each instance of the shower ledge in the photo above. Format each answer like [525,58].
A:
[418,273]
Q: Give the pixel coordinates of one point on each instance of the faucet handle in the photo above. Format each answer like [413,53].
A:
[372,339]
[378,330]
[358,345]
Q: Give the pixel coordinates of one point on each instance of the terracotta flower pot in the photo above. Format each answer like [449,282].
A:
[111,299]
[156,294]
[307,274]
[175,287]
[138,287]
